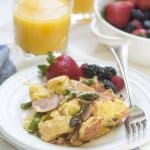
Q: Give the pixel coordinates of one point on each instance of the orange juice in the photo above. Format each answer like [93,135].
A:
[83,6]
[42,25]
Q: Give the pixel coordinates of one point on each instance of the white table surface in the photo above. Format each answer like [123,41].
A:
[82,47]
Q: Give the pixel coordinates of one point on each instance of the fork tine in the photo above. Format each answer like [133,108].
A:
[134,129]
[140,128]
[144,124]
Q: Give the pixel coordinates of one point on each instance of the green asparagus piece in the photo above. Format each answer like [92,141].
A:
[88,82]
[75,120]
[26,105]
[34,125]
[89,96]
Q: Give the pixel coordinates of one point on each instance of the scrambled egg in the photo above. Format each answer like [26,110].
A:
[53,128]
[111,111]
[37,92]
[70,108]
[58,85]
[104,114]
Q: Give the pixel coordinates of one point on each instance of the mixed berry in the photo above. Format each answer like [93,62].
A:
[66,65]
[107,75]
[131,16]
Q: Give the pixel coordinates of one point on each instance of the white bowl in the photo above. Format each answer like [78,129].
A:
[139,47]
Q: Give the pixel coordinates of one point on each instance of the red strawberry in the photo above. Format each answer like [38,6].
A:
[64,65]
[133,1]
[143,4]
[118,13]
[140,32]
[82,69]
[118,82]
[137,24]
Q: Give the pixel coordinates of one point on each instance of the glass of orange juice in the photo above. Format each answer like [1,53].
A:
[42,26]
[83,10]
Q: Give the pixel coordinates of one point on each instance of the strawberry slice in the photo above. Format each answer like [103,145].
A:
[64,65]
[118,13]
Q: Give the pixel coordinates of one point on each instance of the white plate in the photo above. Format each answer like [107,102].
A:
[15,90]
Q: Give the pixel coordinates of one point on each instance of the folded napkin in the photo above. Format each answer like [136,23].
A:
[7,67]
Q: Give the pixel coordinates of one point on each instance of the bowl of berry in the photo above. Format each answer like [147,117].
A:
[126,20]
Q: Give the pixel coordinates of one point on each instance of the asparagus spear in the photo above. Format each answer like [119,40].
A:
[34,124]
[89,96]
[88,81]
[77,118]
[26,105]
[33,127]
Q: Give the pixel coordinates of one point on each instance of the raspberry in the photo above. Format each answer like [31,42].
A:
[64,65]
[118,82]
[109,85]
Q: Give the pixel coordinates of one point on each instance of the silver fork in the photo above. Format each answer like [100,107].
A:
[135,122]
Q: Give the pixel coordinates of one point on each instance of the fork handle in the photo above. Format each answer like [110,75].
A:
[121,54]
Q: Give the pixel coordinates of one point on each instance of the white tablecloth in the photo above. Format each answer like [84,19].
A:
[87,46]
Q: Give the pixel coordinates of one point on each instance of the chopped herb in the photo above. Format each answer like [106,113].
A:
[26,105]
[42,69]
[88,82]
[67,92]
[72,95]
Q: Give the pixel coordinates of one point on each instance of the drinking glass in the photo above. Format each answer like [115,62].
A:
[42,26]
[82,10]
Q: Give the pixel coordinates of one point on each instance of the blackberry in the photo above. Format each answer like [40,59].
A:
[101,74]
[109,85]
[109,72]
[90,70]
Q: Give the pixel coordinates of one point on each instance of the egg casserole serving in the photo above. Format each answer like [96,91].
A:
[72,112]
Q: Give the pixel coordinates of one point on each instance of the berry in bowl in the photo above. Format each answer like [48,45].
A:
[135,20]
[128,20]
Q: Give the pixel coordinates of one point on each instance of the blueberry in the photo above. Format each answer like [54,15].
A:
[147,15]
[137,14]
[130,28]
[148,33]
[109,85]
[146,24]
